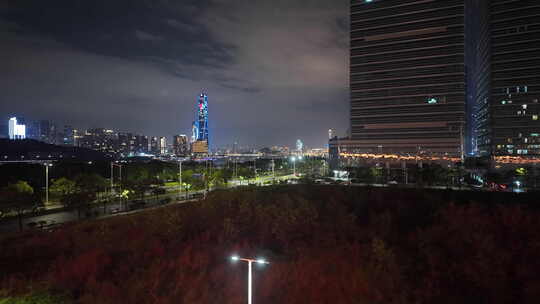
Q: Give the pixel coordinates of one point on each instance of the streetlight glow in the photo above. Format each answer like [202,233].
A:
[250,262]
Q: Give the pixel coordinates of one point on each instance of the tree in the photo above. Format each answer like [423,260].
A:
[78,200]
[140,187]
[216,178]
[376,173]
[157,191]
[62,187]
[91,182]
[18,198]
[76,194]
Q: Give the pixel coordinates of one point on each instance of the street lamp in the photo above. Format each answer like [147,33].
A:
[273,172]
[255,169]
[47,165]
[293,159]
[261,261]
[180,180]
[113,164]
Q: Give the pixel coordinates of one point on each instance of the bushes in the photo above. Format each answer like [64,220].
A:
[325,244]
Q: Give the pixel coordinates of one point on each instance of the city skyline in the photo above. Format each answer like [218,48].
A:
[139,70]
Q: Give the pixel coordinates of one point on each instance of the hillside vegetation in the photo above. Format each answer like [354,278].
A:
[325,245]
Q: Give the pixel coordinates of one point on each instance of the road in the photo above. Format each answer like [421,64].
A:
[96,211]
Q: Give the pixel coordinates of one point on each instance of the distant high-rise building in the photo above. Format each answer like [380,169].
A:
[154,145]
[330,133]
[16,130]
[507,108]
[299,146]
[181,145]
[33,130]
[77,137]
[47,130]
[199,147]
[4,130]
[100,139]
[141,144]
[163,145]
[407,78]
[125,143]
[68,136]
[202,115]
[200,126]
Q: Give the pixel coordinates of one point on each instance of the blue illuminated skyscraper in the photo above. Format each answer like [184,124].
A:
[200,140]
[202,117]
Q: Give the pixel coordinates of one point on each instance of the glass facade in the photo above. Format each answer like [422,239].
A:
[407,77]
[515,78]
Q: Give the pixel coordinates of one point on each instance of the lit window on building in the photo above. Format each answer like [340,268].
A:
[432,100]
[535,117]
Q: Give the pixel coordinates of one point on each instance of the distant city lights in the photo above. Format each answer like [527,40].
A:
[16,130]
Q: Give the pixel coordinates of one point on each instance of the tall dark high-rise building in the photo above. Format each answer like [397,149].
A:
[68,136]
[154,145]
[100,139]
[180,145]
[407,77]
[48,131]
[507,107]
[481,132]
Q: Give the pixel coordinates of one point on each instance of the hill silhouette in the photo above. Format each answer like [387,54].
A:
[28,149]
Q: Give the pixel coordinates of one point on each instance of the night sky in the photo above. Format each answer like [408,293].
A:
[274,70]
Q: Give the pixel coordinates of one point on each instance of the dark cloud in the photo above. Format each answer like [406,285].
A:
[274,70]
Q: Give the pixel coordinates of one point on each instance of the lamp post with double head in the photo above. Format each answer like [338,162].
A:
[250,262]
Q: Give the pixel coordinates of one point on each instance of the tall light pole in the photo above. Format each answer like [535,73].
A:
[235,173]
[112,174]
[180,180]
[255,170]
[47,165]
[250,262]
[273,171]
[293,159]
